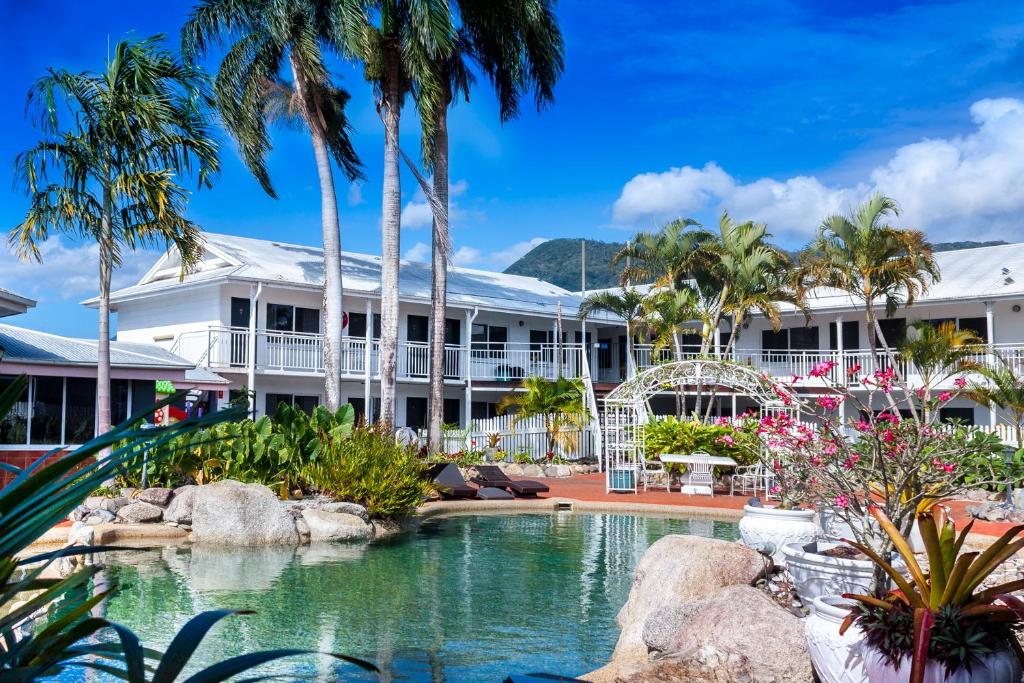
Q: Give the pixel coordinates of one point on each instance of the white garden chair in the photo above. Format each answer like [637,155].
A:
[700,473]
[747,479]
[653,471]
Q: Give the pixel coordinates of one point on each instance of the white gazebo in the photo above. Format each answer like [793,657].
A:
[626,407]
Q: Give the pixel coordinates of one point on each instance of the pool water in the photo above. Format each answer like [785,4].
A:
[466,598]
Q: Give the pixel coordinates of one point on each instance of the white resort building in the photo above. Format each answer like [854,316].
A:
[248,317]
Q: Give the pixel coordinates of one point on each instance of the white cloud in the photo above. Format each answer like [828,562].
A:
[417,214]
[472,257]
[962,186]
[68,271]
[355,194]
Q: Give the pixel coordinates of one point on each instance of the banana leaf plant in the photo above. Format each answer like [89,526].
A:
[940,614]
[47,624]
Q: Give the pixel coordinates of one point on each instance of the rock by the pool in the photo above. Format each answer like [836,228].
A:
[677,570]
[179,510]
[156,496]
[231,513]
[140,513]
[81,533]
[737,634]
[114,504]
[100,517]
[348,508]
[335,527]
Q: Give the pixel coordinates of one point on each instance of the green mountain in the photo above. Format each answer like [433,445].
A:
[558,261]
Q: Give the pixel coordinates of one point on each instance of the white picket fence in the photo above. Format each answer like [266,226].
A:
[528,435]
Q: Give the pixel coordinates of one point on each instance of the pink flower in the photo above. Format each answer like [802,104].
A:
[960,382]
[945,396]
[853,370]
[862,426]
[829,402]
[775,489]
[727,440]
[842,501]
[823,368]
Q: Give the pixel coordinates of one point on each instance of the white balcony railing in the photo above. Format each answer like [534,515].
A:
[226,348]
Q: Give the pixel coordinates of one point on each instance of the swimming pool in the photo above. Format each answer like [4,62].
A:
[471,597]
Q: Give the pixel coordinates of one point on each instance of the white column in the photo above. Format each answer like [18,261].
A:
[470,316]
[990,329]
[254,302]
[368,365]
[840,350]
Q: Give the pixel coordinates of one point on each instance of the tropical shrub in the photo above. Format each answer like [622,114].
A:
[46,625]
[371,469]
[940,614]
[271,450]
[561,404]
[735,439]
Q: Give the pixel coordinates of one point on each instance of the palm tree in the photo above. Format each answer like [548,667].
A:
[1003,388]
[869,259]
[628,304]
[272,39]
[398,55]
[939,352]
[665,258]
[518,46]
[560,402]
[667,317]
[107,171]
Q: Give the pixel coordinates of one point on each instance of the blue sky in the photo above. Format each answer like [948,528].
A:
[777,111]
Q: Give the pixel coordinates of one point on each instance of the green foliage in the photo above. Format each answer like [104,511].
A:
[672,435]
[371,469]
[46,624]
[270,451]
[561,404]
[558,261]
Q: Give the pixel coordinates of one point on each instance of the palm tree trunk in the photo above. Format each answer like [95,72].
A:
[390,229]
[439,281]
[333,303]
[103,336]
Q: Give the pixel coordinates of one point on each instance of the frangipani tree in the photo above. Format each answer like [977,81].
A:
[115,146]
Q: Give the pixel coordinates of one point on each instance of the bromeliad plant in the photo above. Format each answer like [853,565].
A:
[940,614]
[48,625]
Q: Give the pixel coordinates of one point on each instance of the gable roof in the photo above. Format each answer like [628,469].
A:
[244,258]
[22,345]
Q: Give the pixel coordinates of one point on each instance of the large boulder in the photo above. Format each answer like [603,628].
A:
[348,508]
[737,634]
[335,527]
[231,513]
[179,510]
[677,570]
[100,517]
[157,495]
[140,513]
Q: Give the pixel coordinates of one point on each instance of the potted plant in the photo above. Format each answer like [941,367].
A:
[837,657]
[770,529]
[493,442]
[940,624]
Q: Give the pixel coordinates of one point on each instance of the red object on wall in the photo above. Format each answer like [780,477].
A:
[344,319]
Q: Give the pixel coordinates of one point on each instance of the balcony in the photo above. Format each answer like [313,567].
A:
[789,364]
[294,353]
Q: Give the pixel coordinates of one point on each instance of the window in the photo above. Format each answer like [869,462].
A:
[274,400]
[803,338]
[359,406]
[979,326]
[120,400]
[964,416]
[894,330]
[483,410]
[452,411]
[775,341]
[238,398]
[239,312]
[851,335]
[47,407]
[452,331]
[416,328]
[490,338]
[357,325]
[286,318]
[14,425]
[80,411]
[306,403]
[416,412]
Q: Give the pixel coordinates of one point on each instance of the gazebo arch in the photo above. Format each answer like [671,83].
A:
[625,407]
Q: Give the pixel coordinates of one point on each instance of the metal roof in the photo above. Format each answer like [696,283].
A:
[12,304]
[22,345]
[245,258]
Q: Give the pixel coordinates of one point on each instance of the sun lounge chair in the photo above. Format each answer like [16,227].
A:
[491,475]
[492,493]
[449,481]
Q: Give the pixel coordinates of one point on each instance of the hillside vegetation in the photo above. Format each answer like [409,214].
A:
[558,261]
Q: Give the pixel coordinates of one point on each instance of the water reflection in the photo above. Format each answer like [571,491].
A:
[469,597]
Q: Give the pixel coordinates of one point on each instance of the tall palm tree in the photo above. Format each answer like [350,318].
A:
[668,315]
[115,143]
[398,47]
[872,261]
[1003,388]
[665,258]
[628,304]
[518,47]
[274,71]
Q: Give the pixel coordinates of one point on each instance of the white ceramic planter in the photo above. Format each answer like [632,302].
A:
[815,575]
[836,658]
[835,528]
[770,529]
[1000,667]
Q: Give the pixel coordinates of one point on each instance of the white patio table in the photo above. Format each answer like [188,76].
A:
[688,459]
